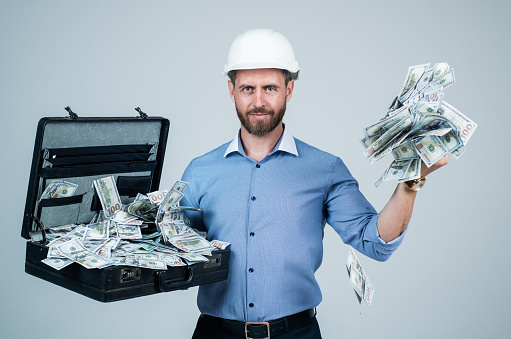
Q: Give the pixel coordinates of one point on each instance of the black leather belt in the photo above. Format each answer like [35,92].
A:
[266,329]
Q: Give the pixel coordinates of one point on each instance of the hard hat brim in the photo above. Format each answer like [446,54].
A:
[292,67]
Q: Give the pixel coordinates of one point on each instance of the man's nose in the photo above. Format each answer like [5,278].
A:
[259,98]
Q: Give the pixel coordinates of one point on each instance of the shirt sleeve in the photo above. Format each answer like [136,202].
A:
[353,217]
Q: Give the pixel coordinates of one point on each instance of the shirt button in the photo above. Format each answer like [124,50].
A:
[251,305]
[252,234]
[251,270]
[257,166]
[252,198]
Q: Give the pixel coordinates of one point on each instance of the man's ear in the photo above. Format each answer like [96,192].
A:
[289,89]
[231,90]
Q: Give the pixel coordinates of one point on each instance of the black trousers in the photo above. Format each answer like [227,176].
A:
[204,330]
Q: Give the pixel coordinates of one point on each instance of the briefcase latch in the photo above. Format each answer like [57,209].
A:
[130,274]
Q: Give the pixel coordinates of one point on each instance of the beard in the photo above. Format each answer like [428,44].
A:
[259,127]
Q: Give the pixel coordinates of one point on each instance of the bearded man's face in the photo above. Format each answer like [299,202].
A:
[260,97]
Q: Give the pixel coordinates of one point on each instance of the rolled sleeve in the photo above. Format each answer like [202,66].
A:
[354,218]
[382,250]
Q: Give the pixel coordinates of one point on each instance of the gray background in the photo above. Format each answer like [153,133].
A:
[450,277]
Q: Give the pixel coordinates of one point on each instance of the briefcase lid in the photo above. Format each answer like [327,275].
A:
[81,149]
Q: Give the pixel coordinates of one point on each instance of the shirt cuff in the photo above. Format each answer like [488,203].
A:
[371,234]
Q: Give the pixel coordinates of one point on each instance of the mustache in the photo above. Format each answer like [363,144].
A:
[260,110]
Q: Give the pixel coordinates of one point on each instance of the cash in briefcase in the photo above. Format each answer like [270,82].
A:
[80,150]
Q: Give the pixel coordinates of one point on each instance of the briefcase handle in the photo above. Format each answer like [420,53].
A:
[175,285]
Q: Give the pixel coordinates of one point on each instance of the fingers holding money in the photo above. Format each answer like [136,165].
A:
[425,170]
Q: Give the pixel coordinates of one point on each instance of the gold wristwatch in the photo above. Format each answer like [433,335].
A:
[416,184]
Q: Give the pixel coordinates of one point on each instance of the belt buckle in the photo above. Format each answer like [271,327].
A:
[257,323]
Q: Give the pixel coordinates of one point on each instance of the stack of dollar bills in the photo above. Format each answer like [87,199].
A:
[114,236]
[358,279]
[419,125]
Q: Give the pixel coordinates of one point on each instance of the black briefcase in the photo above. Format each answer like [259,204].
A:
[80,150]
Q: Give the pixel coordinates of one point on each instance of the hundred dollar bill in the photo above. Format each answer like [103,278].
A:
[128,231]
[99,230]
[148,247]
[364,289]
[72,249]
[357,281]
[93,261]
[128,260]
[378,128]
[152,264]
[143,209]
[388,136]
[427,123]
[424,80]
[413,76]
[93,245]
[433,95]
[352,260]
[157,197]
[179,186]
[121,217]
[147,256]
[192,258]
[458,152]
[59,189]
[450,141]
[172,260]
[397,170]
[446,80]
[54,253]
[464,125]
[170,200]
[108,195]
[368,141]
[368,291]
[57,263]
[430,149]
[413,171]
[190,244]
[104,252]
[62,229]
[405,151]
[440,69]
[423,107]
[220,244]
[168,230]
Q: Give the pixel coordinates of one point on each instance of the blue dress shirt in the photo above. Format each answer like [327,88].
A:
[273,213]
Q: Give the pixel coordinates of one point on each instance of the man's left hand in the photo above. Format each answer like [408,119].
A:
[425,170]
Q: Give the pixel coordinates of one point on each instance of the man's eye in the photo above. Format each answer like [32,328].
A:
[247,89]
[270,89]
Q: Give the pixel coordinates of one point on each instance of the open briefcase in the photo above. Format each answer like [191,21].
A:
[80,150]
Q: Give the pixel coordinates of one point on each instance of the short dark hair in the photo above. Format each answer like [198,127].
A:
[285,72]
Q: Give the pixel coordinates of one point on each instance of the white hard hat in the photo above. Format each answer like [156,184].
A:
[262,48]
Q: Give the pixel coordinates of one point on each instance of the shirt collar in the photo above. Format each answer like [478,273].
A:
[286,144]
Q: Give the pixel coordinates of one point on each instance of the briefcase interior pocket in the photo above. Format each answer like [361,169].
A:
[60,211]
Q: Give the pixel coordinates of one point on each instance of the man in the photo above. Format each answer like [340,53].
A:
[270,195]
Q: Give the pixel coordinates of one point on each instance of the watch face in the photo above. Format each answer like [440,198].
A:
[419,185]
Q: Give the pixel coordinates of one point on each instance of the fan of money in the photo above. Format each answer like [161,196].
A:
[419,125]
